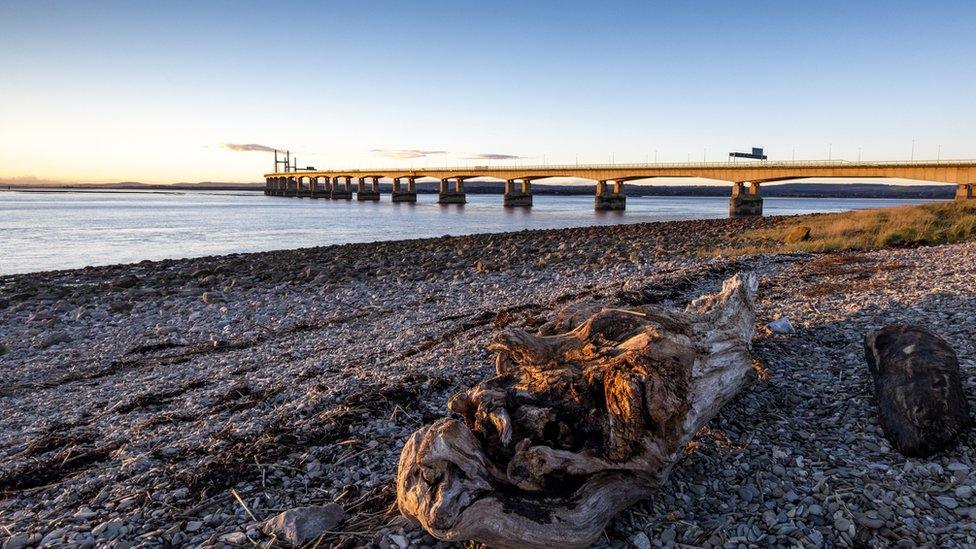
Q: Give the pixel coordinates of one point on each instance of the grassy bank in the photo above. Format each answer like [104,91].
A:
[939,223]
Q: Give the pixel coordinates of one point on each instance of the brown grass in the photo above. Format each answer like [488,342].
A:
[928,224]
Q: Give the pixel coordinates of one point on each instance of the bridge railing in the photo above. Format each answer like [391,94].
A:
[663,165]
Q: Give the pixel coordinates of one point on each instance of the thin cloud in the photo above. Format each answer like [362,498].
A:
[405,153]
[494,156]
[248,147]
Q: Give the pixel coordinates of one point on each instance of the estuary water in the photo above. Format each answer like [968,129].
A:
[45,230]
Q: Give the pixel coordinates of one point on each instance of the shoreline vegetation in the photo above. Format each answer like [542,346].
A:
[773,190]
[901,226]
[185,402]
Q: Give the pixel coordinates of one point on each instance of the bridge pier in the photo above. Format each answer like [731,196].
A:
[745,204]
[966,191]
[607,201]
[456,196]
[341,191]
[400,195]
[293,187]
[515,199]
[320,192]
[372,193]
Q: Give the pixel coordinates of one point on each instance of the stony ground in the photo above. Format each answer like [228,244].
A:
[183,402]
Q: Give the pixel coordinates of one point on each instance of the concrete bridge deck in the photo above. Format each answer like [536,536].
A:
[610,179]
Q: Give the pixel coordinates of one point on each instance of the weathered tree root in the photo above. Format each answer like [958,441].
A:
[580,422]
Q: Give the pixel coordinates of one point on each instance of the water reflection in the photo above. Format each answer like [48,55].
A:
[44,231]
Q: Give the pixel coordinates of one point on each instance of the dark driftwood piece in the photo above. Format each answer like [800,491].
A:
[580,421]
[921,403]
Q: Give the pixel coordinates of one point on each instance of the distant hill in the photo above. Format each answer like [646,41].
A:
[134,185]
[786,190]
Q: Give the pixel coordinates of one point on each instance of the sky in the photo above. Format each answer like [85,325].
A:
[157,91]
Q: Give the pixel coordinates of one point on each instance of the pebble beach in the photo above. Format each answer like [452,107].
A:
[185,402]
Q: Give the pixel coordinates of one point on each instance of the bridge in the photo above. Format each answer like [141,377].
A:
[745,179]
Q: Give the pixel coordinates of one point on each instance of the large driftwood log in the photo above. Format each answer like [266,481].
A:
[580,421]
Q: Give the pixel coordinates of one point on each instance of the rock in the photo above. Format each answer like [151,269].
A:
[213,297]
[3,349]
[51,337]
[40,316]
[303,524]
[126,281]
[162,330]
[20,541]
[964,492]
[236,538]
[193,526]
[868,521]
[797,234]
[486,266]
[748,493]
[120,306]
[918,387]
[947,502]
[641,541]
[108,529]
[781,326]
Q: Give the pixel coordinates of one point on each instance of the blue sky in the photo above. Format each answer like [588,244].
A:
[152,91]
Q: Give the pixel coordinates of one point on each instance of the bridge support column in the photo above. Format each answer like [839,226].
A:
[521,198]
[320,192]
[744,204]
[966,191]
[400,195]
[606,201]
[294,187]
[364,194]
[341,190]
[452,197]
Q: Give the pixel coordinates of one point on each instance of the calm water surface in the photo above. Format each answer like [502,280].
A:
[42,231]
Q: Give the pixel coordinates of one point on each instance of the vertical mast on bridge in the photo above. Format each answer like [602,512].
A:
[284,161]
